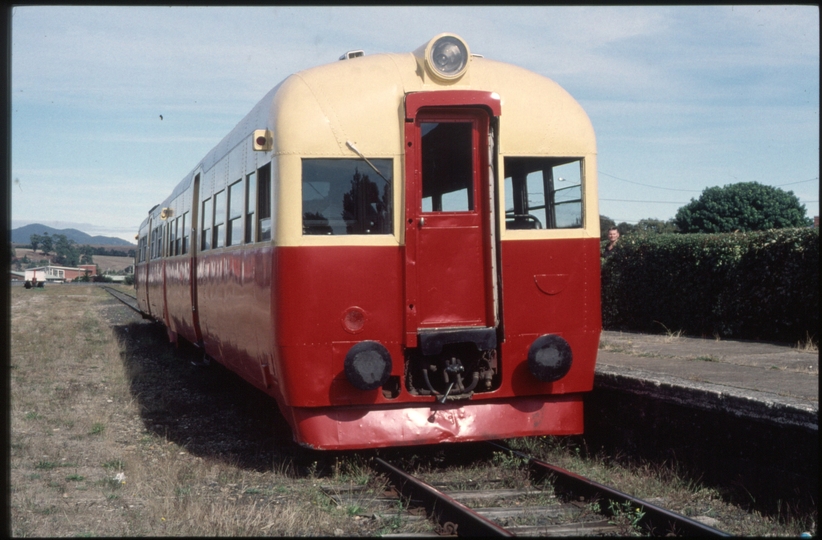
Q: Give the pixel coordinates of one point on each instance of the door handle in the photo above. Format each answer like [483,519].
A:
[421,222]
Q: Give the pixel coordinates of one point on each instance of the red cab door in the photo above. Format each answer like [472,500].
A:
[449,229]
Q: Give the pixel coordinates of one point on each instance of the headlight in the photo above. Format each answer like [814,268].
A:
[367,365]
[447,56]
[550,358]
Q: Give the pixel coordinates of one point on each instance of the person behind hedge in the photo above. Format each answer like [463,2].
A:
[613,236]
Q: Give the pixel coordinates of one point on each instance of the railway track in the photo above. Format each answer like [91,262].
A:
[576,506]
[126,299]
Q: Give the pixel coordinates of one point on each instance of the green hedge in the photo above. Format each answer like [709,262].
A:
[754,285]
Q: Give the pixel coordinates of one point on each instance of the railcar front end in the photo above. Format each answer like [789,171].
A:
[402,249]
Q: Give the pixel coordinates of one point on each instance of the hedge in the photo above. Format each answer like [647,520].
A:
[755,285]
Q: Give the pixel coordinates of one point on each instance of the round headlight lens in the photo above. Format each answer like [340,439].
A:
[448,57]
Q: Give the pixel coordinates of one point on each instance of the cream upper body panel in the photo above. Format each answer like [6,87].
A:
[320,112]
[316,112]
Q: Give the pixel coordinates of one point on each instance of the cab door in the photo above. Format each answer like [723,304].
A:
[449,269]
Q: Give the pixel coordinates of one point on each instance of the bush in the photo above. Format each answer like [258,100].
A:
[755,285]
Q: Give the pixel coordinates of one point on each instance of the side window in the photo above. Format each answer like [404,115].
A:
[264,203]
[205,227]
[157,242]
[234,232]
[347,196]
[177,234]
[543,193]
[219,219]
[172,237]
[186,233]
[250,208]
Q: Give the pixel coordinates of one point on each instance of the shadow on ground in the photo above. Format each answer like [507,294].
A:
[208,410]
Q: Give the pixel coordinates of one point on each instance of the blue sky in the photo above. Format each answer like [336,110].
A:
[681,98]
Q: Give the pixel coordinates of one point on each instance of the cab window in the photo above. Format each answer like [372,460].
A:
[347,196]
[543,193]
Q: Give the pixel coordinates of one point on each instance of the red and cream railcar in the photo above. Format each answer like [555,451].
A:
[400,248]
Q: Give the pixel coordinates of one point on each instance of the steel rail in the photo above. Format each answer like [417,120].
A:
[119,296]
[450,514]
[654,517]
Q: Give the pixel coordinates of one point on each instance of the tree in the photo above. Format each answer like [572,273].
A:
[747,206]
[656,226]
[46,243]
[35,240]
[86,255]
[66,250]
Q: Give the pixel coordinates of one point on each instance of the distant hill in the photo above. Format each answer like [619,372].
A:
[22,235]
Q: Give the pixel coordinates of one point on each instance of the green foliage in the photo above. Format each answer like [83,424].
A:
[66,251]
[747,206]
[644,226]
[35,240]
[655,226]
[757,285]
[46,244]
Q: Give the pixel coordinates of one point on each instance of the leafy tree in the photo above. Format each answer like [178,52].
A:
[656,226]
[66,251]
[35,240]
[747,206]
[46,244]
[86,255]
[626,228]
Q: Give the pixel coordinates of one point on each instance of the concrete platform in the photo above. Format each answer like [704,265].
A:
[769,382]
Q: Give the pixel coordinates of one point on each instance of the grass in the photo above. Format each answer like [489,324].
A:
[85,400]
[809,344]
[113,435]
[665,484]
[670,335]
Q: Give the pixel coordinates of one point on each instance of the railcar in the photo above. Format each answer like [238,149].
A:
[401,249]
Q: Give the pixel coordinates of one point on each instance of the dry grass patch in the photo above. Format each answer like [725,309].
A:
[114,434]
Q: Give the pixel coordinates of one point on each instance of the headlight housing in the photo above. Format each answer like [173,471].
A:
[447,57]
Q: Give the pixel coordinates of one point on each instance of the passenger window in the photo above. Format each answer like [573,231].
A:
[264,202]
[219,219]
[178,244]
[447,167]
[172,237]
[250,207]
[205,243]
[185,232]
[347,196]
[234,232]
[543,193]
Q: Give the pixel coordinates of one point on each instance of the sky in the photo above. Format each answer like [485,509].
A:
[681,98]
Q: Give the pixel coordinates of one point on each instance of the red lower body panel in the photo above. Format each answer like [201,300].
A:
[342,428]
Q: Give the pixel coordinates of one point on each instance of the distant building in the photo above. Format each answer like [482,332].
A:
[815,222]
[66,274]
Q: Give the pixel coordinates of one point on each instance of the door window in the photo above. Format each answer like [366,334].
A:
[447,167]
